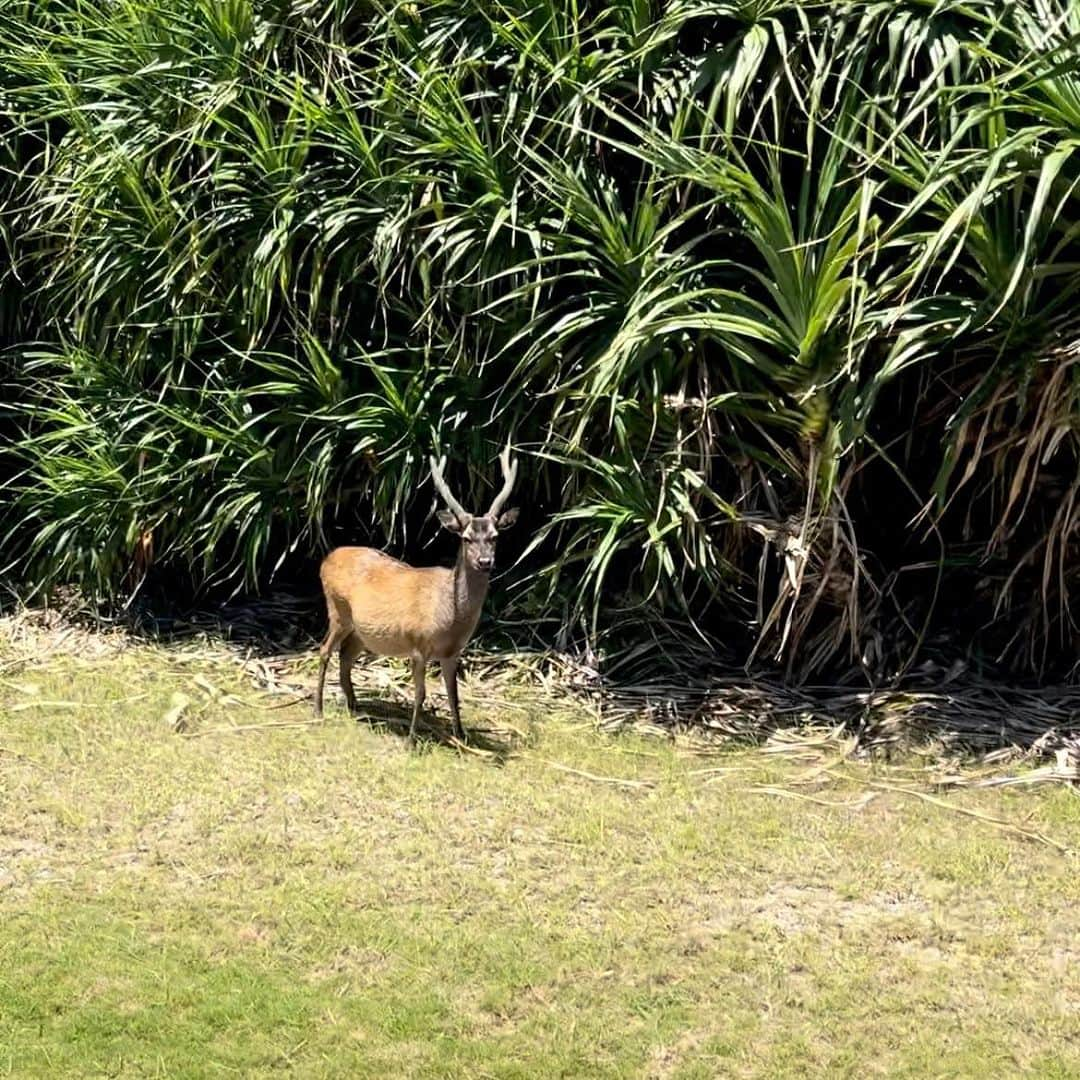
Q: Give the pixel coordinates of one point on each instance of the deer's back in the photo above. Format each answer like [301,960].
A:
[395,609]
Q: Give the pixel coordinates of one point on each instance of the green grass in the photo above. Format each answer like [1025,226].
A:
[316,900]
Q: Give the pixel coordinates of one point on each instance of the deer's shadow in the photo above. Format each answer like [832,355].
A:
[432,728]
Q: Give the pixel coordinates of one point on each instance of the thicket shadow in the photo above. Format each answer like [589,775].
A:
[282,624]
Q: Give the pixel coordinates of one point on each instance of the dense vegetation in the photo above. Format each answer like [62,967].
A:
[774,298]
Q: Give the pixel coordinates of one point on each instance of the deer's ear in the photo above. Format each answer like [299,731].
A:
[449,520]
[506,520]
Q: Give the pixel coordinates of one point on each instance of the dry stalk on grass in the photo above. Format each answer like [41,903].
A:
[990,819]
[616,781]
[240,729]
[785,793]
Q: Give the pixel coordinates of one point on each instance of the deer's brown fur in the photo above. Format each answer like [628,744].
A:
[383,605]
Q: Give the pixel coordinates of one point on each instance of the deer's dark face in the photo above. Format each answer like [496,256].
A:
[478,536]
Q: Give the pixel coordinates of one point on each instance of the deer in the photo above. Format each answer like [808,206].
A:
[389,608]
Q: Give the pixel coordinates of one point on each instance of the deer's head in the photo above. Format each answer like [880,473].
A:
[478,532]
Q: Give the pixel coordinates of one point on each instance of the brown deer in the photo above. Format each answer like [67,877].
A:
[378,603]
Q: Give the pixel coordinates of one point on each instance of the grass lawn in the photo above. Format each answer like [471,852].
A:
[317,901]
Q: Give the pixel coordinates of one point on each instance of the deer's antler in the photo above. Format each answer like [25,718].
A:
[442,488]
[509,471]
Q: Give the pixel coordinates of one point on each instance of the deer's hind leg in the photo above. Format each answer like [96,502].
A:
[351,648]
[339,630]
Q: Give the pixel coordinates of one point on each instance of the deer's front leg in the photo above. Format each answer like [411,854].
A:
[449,674]
[419,693]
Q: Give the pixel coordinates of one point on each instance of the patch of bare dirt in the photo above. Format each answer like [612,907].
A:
[666,1059]
[794,909]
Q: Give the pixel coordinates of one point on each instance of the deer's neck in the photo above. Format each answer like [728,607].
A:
[469,587]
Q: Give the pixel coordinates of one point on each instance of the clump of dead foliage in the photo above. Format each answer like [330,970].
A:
[669,687]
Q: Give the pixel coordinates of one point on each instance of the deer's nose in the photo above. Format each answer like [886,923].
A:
[485,562]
